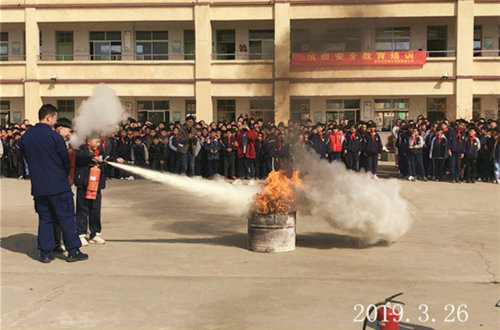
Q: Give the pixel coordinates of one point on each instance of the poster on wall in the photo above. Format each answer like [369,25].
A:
[176,46]
[16,47]
[176,116]
[488,43]
[318,116]
[17,116]
[367,110]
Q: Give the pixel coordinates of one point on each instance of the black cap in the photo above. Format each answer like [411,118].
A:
[63,122]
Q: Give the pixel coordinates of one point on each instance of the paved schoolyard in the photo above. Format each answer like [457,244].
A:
[174,261]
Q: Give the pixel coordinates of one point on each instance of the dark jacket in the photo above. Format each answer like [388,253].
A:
[352,142]
[270,148]
[157,151]
[123,147]
[321,143]
[108,147]
[457,140]
[83,163]
[139,154]
[48,161]
[439,148]
[472,147]
[373,143]
[229,143]
[212,145]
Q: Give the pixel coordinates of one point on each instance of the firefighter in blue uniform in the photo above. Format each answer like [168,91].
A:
[49,164]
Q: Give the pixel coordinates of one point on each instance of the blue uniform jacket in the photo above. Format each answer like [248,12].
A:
[352,143]
[48,161]
[212,145]
[373,144]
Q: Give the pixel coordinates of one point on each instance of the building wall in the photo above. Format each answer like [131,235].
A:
[207,80]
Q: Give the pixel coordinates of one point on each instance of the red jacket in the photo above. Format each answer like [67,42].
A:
[336,141]
[251,138]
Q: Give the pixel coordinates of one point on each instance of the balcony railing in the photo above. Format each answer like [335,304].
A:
[487,53]
[441,53]
[115,57]
[12,58]
[242,56]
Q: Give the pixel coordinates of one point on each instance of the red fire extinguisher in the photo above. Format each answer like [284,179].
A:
[93,185]
[387,316]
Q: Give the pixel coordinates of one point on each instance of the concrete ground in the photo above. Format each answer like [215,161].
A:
[173,261]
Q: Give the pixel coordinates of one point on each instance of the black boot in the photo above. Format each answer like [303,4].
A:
[78,256]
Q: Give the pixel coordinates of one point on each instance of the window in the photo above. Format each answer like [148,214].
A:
[387,111]
[4,46]
[191,108]
[392,38]
[64,45]
[300,40]
[263,109]
[342,109]
[66,108]
[153,111]
[151,45]
[436,109]
[226,110]
[105,46]
[437,40]
[300,110]
[261,44]
[476,108]
[225,44]
[478,40]
[343,40]
[189,44]
[4,113]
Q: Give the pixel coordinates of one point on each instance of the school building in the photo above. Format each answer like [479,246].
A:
[272,59]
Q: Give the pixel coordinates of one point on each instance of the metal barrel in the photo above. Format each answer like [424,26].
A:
[271,232]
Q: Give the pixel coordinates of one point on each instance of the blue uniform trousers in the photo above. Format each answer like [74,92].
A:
[51,209]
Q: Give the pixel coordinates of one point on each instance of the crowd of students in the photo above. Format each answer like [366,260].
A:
[247,148]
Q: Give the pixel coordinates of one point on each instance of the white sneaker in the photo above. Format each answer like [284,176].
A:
[97,239]
[375,177]
[410,178]
[131,178]
[83,240]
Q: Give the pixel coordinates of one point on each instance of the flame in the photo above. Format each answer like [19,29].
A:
[278,195]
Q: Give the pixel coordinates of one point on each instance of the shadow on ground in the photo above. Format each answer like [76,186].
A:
[24,243]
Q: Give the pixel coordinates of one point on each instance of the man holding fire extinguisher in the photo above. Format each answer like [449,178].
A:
[90,179]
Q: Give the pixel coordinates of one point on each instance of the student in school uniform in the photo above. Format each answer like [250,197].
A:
[140,153]
[336,141]
[173,145]
[270,151]
[439,153]
[352,148]
[402,145]
[320,141]
[212,146]
[472,148]
[229,147]
[88,211]
[372,150]
[246,151]
[259,156]
[484,164]
[416,144]
[495,153]
[457,147]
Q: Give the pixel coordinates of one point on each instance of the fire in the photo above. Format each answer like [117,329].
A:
[278,195]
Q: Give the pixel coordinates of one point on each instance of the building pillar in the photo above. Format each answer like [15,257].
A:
[465,59]
[32,98]
[282,61]
[203,55]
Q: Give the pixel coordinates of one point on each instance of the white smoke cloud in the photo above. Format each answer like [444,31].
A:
[234,198]
[98,114]
[351,202]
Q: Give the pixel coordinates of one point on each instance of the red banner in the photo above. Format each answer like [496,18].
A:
[360,58]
